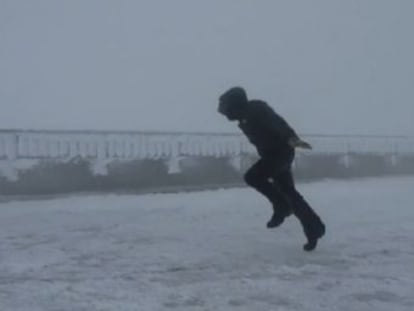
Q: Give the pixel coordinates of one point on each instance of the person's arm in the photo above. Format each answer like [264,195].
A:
[296,142]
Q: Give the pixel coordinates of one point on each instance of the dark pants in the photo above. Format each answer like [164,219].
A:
[272,176]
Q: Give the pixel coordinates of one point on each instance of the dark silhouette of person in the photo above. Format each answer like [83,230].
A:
[271,175]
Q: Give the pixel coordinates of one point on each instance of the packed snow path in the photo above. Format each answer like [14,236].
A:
[210,251]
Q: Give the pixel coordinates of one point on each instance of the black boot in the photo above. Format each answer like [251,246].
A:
[313,233]
[276,220]
[278,217]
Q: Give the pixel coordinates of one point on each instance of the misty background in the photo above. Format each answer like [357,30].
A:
[328,66]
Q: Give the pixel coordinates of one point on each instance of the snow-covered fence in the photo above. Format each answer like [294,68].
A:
[8,145]
[116,145]
[45,162]
[106,145]
[361,144]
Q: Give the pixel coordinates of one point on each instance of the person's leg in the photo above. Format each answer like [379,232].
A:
[311,222]
[258,177]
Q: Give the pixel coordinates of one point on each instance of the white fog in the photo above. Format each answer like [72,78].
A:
[342,67]
[125,187]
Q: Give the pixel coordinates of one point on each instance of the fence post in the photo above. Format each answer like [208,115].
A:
[347,160]
[394,156]
[101,154]
[174,160]
[12,146]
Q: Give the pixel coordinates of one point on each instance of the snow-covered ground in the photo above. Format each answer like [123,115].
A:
[209,251]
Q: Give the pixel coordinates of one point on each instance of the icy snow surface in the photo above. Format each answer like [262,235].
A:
[209,251]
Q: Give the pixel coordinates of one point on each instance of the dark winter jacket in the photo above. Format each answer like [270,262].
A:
[265,129]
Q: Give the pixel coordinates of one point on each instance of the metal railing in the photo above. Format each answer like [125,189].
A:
[46,144]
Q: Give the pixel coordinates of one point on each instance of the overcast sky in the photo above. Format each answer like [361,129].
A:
[328,66]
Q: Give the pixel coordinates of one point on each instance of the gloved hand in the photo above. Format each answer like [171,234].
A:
[296,142]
